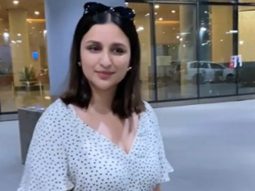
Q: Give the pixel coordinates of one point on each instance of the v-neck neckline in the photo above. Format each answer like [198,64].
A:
[103,137]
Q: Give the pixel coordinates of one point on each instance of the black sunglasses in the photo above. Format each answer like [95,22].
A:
[94,8]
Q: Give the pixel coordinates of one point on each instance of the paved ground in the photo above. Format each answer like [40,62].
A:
[210,146]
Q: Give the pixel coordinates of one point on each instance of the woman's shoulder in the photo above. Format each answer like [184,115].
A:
[58,106]
[147,106]
[56,111]
[149,110]
[148,114]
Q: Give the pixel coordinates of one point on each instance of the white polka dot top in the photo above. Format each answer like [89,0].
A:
[66,154]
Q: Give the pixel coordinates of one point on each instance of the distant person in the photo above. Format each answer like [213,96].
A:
[99,135]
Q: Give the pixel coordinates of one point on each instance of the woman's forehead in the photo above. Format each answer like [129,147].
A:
[108,32]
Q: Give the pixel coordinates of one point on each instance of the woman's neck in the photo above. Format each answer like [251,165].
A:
[101,101]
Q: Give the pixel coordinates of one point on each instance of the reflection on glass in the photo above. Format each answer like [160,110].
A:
[215,77]
[142,22]
[246,47]
[175,43]
[23,60]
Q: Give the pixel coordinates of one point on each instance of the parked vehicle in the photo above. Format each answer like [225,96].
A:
[204,71]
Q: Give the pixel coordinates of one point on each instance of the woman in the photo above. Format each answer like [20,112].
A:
[99,135]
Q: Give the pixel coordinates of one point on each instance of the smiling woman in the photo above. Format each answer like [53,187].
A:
[100,135]
[105,62]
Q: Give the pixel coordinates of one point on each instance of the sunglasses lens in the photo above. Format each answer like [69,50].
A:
[93,8]
[125,12]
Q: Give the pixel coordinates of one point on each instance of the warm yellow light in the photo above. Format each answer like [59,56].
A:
[36,20]
[156,6]
[167,22]
[47,97]
[15,2]
[37,13]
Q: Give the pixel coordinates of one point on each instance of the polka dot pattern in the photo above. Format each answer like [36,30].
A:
[66,154]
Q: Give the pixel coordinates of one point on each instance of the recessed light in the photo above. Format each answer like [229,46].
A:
[173,11]
[156,6]
[15,2]
[37,13]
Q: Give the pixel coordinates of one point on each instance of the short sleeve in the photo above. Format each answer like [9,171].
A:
[165,166]
[46,165]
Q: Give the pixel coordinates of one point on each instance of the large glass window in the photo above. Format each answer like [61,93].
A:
[216,48]
[175,28]
[246,48]
[23,64]
[142,22]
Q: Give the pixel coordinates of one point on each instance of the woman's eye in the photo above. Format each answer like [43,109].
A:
[93,48]
[118,51]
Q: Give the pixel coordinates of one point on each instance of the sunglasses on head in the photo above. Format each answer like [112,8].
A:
[94,8]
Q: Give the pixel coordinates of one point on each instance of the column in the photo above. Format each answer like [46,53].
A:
[187,47]
[1,31]
[19,42]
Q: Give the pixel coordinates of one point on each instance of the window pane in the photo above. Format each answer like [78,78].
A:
[175,43]
[23,64]
[216,48]
[246,48]
[142,22]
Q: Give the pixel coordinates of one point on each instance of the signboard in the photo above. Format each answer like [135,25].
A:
[235,60]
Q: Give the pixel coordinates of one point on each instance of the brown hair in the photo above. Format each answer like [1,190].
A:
[127,97]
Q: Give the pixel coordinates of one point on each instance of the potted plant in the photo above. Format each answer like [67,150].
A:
[27,76]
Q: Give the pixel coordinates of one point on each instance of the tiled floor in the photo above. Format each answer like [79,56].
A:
[211,147]
[12,100]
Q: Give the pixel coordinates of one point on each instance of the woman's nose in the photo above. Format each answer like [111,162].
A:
[105,60]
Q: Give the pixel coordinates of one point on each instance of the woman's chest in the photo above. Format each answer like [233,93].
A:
[99,162]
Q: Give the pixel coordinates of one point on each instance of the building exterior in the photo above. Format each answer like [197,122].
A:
[191,49]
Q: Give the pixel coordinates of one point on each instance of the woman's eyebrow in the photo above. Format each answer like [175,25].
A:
[92,41]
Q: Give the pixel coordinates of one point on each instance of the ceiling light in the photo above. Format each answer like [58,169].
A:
[6,35]
[173,11]
[37,13]
[47,97]
[15,2]
[156,6]
[140,28]
[232,32]
[160,19]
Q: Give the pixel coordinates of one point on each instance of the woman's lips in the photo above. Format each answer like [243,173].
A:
[104,75]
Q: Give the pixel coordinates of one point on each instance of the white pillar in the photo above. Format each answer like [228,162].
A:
[19,42]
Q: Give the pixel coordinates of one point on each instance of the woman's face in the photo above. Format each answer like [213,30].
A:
[105,56]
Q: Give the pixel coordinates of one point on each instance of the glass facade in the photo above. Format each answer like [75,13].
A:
[24,77]
[190,50]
